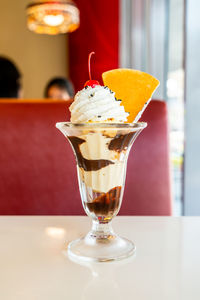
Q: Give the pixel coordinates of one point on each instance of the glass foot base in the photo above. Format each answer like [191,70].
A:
[101,249]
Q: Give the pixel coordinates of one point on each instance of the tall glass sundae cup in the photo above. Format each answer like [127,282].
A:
[101,151]
[101,133]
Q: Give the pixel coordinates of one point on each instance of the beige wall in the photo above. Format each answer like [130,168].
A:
[39,57]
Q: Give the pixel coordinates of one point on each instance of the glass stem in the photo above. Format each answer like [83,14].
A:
[101,230]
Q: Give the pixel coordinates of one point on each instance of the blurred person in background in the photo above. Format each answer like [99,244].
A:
[59,88]
[10,79]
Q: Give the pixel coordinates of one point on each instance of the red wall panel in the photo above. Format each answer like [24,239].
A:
[99,32]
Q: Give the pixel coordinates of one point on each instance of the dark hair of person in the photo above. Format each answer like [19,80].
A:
[62,83]
[9,79]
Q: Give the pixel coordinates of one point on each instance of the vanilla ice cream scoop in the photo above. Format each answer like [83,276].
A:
[97,104]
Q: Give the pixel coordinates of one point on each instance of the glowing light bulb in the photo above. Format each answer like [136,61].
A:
[53,20]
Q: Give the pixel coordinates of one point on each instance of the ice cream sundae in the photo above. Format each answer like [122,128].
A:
[102,129]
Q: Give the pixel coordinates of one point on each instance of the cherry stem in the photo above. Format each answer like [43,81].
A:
[89,69]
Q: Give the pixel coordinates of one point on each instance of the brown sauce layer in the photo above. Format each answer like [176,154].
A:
[87,164]
[106,204]
[121,142]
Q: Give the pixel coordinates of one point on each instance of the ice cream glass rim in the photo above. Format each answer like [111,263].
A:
[135,125]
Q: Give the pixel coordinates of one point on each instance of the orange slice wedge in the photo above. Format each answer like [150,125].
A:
[134,88]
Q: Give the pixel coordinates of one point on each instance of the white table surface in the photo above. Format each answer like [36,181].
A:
[34,265]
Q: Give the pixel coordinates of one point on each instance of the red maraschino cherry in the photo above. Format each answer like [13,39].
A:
[91,82]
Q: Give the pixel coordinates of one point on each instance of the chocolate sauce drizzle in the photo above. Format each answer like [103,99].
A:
[106,204]
[87,164]
[121,142]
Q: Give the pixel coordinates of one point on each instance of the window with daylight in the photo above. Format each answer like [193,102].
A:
[152,40]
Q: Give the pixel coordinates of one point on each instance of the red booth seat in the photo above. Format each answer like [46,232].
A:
[37,165]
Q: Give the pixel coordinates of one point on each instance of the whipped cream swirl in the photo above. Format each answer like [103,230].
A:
[97,104]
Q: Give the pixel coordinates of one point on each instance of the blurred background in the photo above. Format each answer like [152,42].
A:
[161,37]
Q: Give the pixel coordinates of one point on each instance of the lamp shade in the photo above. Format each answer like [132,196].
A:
[52,17]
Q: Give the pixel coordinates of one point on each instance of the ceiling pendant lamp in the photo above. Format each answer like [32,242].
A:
[52,17]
